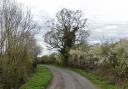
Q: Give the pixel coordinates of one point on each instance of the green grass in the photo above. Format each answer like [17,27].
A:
[100,82]
[97,80]
[39,79]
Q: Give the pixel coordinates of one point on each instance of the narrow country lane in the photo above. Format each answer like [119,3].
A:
[67,79]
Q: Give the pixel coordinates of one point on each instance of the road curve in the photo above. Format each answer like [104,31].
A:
[67,79]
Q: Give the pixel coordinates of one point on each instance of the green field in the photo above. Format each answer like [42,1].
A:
[39,80]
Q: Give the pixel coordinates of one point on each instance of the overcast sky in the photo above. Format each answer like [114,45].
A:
[108,19]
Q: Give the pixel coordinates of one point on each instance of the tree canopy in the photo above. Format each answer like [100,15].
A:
[67,30]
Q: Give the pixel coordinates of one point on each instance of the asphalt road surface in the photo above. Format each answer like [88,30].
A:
[67,79]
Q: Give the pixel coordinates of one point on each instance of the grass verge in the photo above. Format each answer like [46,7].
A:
[97,80]
[100,82]
[39,79]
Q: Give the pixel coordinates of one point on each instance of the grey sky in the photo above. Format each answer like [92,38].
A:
[107,19]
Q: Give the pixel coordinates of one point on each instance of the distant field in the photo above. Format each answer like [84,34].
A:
[39,80]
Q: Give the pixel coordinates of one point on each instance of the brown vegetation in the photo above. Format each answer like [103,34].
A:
[17,45]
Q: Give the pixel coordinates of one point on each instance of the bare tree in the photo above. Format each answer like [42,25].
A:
[16,35]
[67,30]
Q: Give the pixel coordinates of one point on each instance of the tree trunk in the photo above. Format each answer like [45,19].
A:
[65,59]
